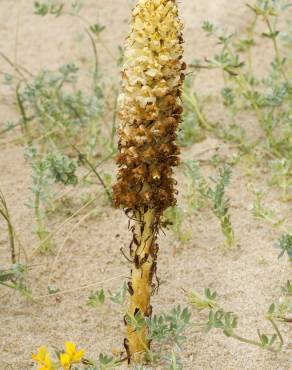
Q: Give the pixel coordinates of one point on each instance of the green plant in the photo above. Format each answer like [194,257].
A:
[173,362]
[41,195]
[62,169]
[14,277]
[96,299]
[107,362]
[284,307]
[196,186]
[48,7]
[285,244]
[220,204]
[174,217]
[268,98]
[62,121]
[194,118]
[258,209]
[104,362]
[227,322]
[190,129]
[4,212]
[120,296]
[199,194]
[282,176]
[169,327]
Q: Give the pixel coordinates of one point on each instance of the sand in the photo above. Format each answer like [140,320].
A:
[248,279]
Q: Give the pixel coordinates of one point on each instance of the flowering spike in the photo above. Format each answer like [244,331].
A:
[150,113]
[149,109]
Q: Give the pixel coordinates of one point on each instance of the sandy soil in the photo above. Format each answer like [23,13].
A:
[247,279]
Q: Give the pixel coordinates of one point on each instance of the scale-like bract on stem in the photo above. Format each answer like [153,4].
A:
[150,112]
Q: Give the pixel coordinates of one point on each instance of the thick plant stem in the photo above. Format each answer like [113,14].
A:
[141,285]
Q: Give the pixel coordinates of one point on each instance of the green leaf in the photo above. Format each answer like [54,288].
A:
[97,29]
[264,339]
[96,299]
[271,309]
[52,289]
[271,35]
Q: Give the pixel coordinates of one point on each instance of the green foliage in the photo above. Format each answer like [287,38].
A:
[97,29]
[284,307]
[96,299]
[14,277]
[136,321]
[285,244]
[107,362]
[166,330]
[221,204]
[258,209]
[46,170]
[5,214]
[57,8]
[208,27]
[48,7]
[196,187]
[104,362]
[268,97]
[203,302]
[120,296]
[41,195]
[62,168]
[227,322]
[228,96]
[173,362]
[174,217]
[287,289]
[282,177]
[169,327]
[62,121]
[199,194]
[222,320]
[193,118]
[62,114]
[217,194]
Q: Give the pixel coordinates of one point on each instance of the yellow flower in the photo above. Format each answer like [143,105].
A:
[71,356]
[43,359]
[65,361]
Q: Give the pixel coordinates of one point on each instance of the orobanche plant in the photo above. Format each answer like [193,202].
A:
[150,113]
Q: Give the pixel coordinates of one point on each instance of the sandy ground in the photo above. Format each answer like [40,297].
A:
[247,279]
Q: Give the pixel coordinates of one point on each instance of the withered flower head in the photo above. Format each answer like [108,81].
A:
[150,111]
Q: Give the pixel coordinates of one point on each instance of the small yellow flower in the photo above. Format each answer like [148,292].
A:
[71,356]
[65,361]
[43,359]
